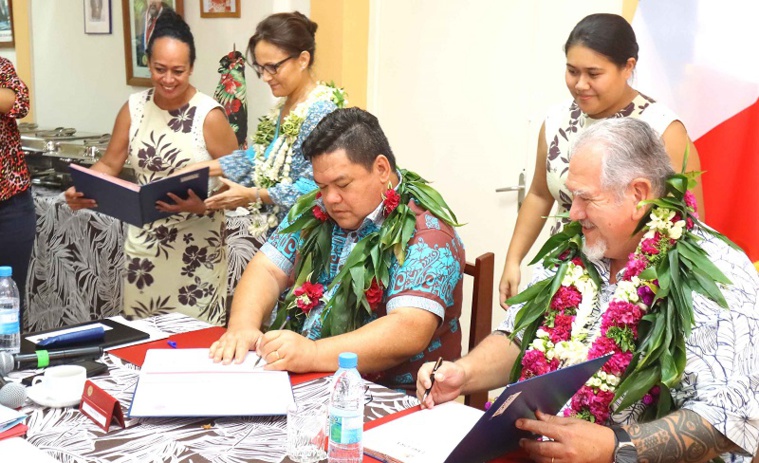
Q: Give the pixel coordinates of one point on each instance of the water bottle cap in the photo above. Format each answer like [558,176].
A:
[5,271]
[347,360]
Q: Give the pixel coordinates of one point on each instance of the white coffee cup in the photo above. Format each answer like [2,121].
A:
[63,382]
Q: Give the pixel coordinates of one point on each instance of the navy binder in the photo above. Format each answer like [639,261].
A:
[495,433]
[132,203]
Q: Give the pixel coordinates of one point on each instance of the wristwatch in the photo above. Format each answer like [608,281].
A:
[624,449]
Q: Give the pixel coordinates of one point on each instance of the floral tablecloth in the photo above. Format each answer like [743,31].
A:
[77,265]
[69,436]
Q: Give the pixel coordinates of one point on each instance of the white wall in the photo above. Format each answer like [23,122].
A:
[461,89]
[80,79]
[9,54]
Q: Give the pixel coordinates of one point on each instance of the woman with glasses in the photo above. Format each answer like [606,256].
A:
[601,54]
[272,172]
[178,263]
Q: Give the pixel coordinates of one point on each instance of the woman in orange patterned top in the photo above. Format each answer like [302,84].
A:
[17,219]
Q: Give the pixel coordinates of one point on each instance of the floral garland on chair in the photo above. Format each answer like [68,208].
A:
[359,285]
[646,323]
[275,169]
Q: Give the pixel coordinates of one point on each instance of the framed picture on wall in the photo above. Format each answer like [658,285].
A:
[6,24]
[139,21]
[219,8]
[97,16]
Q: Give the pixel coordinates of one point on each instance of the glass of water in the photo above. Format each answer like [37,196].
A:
[307,432]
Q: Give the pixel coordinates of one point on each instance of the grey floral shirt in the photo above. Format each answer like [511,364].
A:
[721,376]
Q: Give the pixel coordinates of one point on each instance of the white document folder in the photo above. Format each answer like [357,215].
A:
[186,382]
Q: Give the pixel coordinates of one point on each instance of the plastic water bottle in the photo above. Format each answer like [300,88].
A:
[346,412]
[10,330]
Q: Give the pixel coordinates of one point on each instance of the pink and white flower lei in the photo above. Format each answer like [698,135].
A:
[564,338]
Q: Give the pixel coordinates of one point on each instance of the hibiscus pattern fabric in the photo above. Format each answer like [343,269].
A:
[69,436]
[232,94]
[430,279]
[566,121]
[177,264]
[721,374]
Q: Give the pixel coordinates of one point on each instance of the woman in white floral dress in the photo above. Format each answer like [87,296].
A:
[177,264]
[601,54]
[272,173]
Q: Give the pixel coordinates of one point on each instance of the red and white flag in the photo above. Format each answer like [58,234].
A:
[698,57]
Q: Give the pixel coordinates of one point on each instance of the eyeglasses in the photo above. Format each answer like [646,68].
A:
[270,68]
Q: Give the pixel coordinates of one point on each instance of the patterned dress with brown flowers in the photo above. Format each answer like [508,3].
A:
[177,264]
[564,122]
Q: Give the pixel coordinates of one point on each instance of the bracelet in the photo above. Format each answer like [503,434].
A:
[258,196]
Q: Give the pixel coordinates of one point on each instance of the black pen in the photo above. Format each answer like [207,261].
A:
[259,338]
[432,378]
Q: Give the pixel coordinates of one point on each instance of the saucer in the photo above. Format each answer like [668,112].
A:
[38,395]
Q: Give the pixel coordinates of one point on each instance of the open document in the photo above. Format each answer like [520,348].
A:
[455,433]
[185,382]
[421,437]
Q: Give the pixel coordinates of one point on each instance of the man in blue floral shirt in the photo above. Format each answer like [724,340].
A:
[412,320]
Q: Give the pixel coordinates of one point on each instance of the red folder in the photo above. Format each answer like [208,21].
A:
[189,340]
[18,430]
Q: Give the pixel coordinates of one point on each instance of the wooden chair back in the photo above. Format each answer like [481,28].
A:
[480,322]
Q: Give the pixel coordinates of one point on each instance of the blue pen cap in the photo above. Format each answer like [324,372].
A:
[5,271]
[347,360]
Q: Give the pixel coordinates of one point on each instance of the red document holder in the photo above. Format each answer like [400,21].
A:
[100,406]
[16,431]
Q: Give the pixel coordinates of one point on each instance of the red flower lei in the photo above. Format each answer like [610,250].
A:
[374,294]
[308,295]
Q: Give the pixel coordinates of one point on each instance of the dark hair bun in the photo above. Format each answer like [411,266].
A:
[292,32]
[171,24]
[170,19]
[309,25]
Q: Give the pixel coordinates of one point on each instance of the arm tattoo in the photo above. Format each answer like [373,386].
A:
[682,436]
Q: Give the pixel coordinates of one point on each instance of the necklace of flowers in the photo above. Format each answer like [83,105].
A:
[358,288]
[646,322]
[275,169]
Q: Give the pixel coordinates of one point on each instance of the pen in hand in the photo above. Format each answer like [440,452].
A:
[432,378]
[287,319]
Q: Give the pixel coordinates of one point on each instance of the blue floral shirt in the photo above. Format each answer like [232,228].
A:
[240,165]
[430,279]
[721,374]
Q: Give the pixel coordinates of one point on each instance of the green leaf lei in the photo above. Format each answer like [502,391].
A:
[659,355]
[267,124]
[369,261]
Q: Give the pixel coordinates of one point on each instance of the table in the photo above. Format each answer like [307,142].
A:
[77,267]
[69,436]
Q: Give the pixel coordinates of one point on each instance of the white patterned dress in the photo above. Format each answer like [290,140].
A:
[564,122]
[177,264]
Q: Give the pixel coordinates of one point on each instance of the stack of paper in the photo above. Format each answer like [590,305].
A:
[186,382]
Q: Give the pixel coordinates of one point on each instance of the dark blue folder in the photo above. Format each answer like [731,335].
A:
[135,204]
[495,434]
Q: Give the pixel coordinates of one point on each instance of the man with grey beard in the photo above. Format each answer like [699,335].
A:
[616,168]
